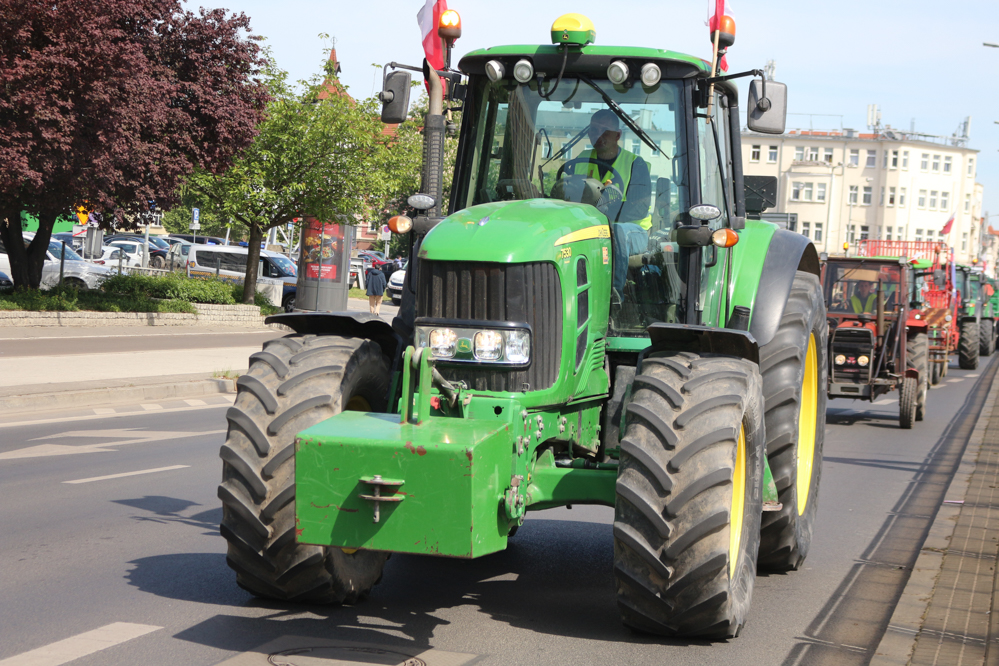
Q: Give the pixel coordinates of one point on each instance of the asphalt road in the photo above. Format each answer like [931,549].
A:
[93,554]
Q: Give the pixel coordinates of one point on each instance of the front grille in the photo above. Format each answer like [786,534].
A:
[852,343]
[481,291]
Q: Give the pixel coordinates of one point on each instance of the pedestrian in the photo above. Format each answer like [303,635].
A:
[376,284]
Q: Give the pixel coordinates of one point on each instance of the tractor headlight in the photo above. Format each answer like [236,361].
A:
[443,342]
[499,343]
[840,359]
[862,361]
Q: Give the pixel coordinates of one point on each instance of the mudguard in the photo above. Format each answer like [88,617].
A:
[348,324]
[704,339]
[788,252]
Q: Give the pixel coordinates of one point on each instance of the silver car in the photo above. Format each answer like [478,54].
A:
[76,272]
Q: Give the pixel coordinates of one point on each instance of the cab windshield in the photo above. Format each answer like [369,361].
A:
[852,288]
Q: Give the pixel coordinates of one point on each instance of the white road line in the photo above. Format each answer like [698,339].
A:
[45,450]
[142,335]
[230,399]
[195,402]
[103,410]
[124,474]
[151,408]
[956,379]
[883,401]
[89,642]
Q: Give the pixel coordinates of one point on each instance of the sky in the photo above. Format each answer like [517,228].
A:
[920,61]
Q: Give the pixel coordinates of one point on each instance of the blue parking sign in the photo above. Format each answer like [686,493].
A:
[195,215]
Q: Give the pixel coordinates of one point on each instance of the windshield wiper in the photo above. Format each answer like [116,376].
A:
[616,108]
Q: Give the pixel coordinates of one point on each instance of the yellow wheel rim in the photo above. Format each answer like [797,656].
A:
[738,503]
[806,425]
[357,404]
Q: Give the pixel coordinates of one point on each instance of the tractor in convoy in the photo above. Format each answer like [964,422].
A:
[975,328]
[990,314]
[595,314]
[877,342]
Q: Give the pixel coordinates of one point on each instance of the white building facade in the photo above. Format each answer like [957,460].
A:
[843,186]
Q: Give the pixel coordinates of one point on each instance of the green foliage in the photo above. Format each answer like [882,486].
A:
[259,299]
[172,286]
[67,299]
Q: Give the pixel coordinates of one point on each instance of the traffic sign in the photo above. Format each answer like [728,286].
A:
[195,217]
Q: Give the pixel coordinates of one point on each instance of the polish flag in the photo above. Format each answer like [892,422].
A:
[720,8]
[946,229]
[429,17]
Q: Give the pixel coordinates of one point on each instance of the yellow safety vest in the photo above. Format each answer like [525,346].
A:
[859,307]
[622,164]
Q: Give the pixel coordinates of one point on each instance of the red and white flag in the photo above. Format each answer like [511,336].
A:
[429,18]
[717,9]
[946,228]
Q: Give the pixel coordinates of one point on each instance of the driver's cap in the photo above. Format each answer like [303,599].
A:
[606,119]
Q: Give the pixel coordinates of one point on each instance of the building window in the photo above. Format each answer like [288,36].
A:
[901,233]
[971,167]
[820,193]
[854,157]
[891,196]
[807,192]
[853,195]
[813,153]
[919,234]
[887,233]
[796,188]
[924,162]
[901,197]
[881,201]
[933,199]
[894,159]
[772,155]
[921,200]
[905,160]
[636,147]
[964,242]
[945,201]
[754,155]
[936,164]
[827,155]
[806,229]
[865,232]
[967,203]
[947,163]
[851,235]
[884,159]
[799,153]
[872,159]
[868,195]
[818,232]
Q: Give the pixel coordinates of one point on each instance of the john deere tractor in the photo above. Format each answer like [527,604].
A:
[582,326]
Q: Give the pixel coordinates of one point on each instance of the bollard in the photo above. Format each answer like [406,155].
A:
[218,264]
[120,255]
[62,262]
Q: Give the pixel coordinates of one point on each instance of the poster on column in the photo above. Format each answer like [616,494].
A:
[323,250]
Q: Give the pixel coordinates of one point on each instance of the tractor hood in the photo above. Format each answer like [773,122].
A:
[512,231]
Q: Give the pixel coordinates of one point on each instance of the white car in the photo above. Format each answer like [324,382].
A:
[111,255]
[395,284]
[76,272]
[131,249]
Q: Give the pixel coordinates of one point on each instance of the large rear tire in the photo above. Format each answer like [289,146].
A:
[689,496]
[917,358]
[967,346]
[294,383]
[907,402]
[987,340]
[794,370]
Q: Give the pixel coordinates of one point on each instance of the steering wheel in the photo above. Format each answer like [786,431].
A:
[616,178]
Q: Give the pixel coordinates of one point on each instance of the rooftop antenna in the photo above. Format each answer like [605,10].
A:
[873,118]
[770,70]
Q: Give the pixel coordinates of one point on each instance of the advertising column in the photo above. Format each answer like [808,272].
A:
[324,267]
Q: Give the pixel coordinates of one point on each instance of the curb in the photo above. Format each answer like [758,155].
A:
[899,641]
[32,402]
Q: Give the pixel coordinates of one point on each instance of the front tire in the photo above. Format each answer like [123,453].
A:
[917,358]
[987,341]
[907,402]
[689,496]
[794,370]
[294,383]
[967,347]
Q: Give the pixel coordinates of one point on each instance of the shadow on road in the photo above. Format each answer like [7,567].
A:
[170,510]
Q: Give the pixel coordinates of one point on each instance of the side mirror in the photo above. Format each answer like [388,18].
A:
[939,278]
[395,97]
[761,193]
[766,107]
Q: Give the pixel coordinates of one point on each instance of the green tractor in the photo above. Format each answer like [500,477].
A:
[969,311]
[582,327]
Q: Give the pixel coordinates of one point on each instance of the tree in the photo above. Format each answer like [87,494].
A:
[109,103]
[313,157]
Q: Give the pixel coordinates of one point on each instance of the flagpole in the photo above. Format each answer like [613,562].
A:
[714,65]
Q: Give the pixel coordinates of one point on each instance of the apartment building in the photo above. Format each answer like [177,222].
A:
[842,186]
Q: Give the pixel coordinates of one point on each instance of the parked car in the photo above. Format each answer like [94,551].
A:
[395,284]
[5,281]
[199,239]
[76,272]
[133,251]
[112,255]
[157,247]
[229,263]
[177,254]
[75,242]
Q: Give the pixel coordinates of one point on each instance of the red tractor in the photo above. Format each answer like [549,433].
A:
[935,296]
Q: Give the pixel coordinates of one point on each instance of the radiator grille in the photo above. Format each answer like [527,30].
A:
[852,343]
[480,291]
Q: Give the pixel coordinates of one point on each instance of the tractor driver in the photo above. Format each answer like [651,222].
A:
[604,133]
[864,298]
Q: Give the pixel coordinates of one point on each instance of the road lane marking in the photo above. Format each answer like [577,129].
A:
[956,379]
[151,408]
[142,335]
[230,398]
[194,402]
[44,450]
[81,645]
[124,474]
[103,410]
[884,401]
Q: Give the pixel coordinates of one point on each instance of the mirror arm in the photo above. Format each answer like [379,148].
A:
[764,102]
